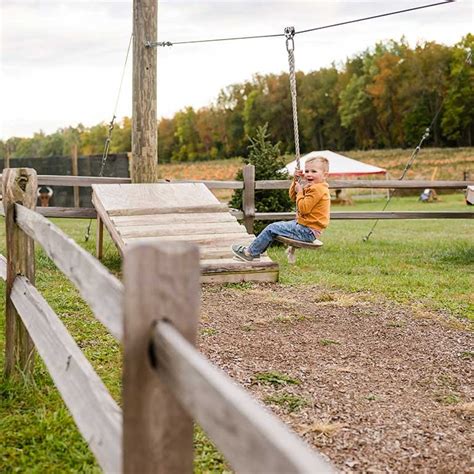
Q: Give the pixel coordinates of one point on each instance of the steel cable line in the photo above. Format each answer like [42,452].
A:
[150,44]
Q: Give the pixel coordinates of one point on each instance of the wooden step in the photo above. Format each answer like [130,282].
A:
[181,229]
[170,219]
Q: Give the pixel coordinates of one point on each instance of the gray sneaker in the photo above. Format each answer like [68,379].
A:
[239,251]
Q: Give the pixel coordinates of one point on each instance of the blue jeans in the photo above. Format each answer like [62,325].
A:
[290,229]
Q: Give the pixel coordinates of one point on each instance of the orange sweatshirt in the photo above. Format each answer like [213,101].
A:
[313,204]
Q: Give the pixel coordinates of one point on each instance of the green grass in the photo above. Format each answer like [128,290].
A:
[274,378]
[291,403]
[37,433]
[328,342]
[427,264]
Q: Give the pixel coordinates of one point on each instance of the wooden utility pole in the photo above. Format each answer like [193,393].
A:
[144,119]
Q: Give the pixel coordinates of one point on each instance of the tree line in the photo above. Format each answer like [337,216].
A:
[384,97]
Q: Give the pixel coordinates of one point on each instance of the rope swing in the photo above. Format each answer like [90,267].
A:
[290,47]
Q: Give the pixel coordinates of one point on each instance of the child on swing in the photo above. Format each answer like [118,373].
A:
[313,203]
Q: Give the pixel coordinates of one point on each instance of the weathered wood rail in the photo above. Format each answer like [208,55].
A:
[249,185]
[167,383]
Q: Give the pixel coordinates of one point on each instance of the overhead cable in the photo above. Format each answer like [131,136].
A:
[150,44]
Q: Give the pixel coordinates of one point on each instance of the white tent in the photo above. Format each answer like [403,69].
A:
[339,165]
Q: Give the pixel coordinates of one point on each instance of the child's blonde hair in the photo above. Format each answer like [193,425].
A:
[324,162]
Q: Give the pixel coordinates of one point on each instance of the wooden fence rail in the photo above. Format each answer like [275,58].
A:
[248,214]
[88,181]
[166,384]
[372,183]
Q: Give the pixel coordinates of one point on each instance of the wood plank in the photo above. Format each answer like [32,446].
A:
[236,277]
[158,433]
[264,258]
[102,291]
[250,438]
[87,181]
[236,213]
[91,213]
[96,414]
[3,267]
[215,252]
[81,181]
[99,238]
[204,239]
[181,229]
[277,216]
[372,183]
[74,172]
[19,185]
[273,184]
[219,251]
[120,197]
[248,197]
[169,219]
[144,211]
[397,184]
[299,244]
[116,238]
[403,215]
[230,265]
[212,184]
[73,212]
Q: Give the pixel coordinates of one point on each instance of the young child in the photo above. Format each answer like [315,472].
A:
[312,202]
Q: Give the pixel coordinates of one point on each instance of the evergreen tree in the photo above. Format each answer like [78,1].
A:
[268,162]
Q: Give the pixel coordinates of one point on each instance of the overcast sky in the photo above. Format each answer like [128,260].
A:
[61,61]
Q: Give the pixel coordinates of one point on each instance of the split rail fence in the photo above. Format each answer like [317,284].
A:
[249,185]
[167,383]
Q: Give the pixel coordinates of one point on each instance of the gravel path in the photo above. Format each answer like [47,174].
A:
[375,386]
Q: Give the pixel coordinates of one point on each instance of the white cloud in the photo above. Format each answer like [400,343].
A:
[62,61]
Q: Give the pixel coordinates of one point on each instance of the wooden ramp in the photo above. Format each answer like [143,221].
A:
[186,212]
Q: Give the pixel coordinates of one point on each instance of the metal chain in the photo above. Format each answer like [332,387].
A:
[108,140]
[105,153]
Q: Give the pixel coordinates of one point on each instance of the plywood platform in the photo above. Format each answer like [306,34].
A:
[185,212]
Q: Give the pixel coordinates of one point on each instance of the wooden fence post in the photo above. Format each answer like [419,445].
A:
[74,172]
[19,186]
[99,238]
[248,197]
[161,282]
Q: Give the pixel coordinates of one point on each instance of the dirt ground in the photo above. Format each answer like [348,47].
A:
[374,386]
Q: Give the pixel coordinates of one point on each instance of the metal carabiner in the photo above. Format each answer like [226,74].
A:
[290,34]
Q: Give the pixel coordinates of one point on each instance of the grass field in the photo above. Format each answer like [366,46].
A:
[440,163]
[428,265]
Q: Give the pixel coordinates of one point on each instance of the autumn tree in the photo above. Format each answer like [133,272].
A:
[458,117]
